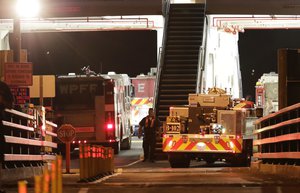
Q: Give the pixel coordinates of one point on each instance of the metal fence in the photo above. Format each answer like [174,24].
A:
[27,141]
[278,137]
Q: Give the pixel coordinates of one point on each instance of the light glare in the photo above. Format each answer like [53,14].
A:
[28,8]
[109,126]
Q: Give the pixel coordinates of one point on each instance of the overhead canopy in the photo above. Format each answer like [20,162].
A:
[80,8]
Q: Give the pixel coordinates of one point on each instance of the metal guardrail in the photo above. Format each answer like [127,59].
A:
[28,142]
[278,137]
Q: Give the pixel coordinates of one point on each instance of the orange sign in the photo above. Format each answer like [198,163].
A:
[18,74]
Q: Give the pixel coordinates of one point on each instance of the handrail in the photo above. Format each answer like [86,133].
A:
[202,56]
[273,115]
[25,140]
[161,54]
[15,125]
[18,113]
[278,136]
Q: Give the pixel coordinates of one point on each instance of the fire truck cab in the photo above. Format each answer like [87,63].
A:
[97,106]
[206,129]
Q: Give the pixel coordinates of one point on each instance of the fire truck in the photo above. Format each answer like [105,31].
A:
[97,106]
[208,129]
[143,98]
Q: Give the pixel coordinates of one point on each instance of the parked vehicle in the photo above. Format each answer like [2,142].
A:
[97,106]
[143,99]
[208,129]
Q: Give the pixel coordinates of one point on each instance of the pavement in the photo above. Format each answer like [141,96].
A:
[69,179]
[159,168]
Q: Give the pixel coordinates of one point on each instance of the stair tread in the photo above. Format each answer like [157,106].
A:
[187,32]
[175,75]
[183,46]
[180,64]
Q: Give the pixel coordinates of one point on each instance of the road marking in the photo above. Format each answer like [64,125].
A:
[104,178]
[83,190]
[124,166]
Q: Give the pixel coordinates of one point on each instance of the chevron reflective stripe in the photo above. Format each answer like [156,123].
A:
[211,146]
[224,145]
[190,146]
[199,143]
[141,101]
[238,144]
[136,104]
[177,145]
[166,142]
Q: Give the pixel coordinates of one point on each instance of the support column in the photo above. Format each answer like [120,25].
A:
[17,39]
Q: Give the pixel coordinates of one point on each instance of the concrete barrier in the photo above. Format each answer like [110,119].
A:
[291,171]
[14,174]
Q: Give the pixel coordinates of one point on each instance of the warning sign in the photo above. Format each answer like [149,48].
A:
[18,74]
[21,94]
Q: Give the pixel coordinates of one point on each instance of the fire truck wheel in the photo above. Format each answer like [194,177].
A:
[116,147]
[178,160]
[126,143]
[240,160]
[210,160]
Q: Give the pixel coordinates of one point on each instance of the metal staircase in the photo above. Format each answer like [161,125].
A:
[178,69]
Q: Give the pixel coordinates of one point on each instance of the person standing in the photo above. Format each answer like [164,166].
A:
[148,126]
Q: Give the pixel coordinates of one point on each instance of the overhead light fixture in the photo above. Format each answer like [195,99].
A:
[28,8]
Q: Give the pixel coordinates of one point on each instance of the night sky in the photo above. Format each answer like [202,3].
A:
[134,52]
[131,52]
[258,52]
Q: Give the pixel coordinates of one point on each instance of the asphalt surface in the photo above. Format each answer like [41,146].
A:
[132,175]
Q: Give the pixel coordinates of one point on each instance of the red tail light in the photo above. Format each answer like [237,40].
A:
[109,126]
[110,131]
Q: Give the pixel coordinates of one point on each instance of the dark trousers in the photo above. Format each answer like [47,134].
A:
[149,147]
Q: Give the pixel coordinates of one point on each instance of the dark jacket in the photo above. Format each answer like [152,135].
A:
[149,125]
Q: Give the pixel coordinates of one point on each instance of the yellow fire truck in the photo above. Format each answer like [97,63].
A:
[207,129]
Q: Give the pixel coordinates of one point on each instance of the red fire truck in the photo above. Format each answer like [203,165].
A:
[143,100]
[97,106]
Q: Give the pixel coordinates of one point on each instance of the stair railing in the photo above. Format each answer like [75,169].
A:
[202,53]
[160,63]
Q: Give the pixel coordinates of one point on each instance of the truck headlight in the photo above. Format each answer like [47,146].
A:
[201,146]
[223,130]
